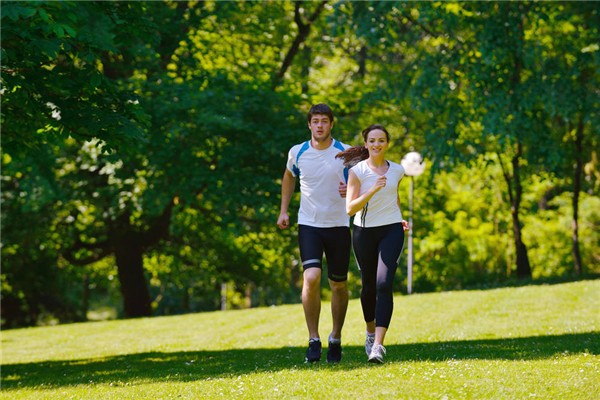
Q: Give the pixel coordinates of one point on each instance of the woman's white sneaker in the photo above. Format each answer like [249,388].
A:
[369,341]
[377,353]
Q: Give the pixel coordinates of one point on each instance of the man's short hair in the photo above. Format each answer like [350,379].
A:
[322,109]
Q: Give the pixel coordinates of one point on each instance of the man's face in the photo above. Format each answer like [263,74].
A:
[320,127]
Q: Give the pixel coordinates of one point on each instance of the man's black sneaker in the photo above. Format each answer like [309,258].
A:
[314,351]
[334,352]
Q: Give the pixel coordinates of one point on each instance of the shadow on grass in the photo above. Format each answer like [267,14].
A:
[186,366]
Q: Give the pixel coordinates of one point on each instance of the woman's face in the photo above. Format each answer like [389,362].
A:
[377,142]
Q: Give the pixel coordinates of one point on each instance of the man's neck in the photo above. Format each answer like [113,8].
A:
[321,145]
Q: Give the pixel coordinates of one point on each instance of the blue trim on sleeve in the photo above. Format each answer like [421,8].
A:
[340,147]
[295,167]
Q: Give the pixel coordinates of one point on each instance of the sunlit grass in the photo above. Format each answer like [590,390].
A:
[528,342]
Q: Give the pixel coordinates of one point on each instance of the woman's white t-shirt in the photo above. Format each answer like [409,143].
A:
[382,208]
[320,173]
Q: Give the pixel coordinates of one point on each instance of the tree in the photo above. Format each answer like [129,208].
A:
[54,90]
[570,78]
[51,81]
[129,196]
[155,135]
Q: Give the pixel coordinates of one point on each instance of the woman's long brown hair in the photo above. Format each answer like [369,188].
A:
[354,155]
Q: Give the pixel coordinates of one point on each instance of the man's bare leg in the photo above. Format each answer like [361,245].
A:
[311,300]
[339,306]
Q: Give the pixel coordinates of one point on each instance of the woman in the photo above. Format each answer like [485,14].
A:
[378,232]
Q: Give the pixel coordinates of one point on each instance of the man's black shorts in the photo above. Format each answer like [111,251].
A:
[334,242]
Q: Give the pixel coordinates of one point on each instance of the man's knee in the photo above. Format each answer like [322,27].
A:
[312,277]
[338,286]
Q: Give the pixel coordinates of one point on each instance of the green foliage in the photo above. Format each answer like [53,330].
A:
[158,120]
[239,40]
[209,129]
[219,158]
[53,86]
[549,233]
[460,239]
[32,282]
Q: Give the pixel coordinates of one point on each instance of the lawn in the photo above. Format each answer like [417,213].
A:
[533,342]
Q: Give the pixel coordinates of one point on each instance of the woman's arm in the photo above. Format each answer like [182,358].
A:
[354,202]
[405,224]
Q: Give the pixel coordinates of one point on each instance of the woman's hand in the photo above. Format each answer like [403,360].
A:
[379,184]
[405,225]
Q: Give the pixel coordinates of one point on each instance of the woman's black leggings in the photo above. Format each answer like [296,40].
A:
[377,252]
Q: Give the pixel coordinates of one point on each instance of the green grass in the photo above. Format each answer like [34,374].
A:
[534,342]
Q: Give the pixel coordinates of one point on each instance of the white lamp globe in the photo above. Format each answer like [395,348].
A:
[413,164]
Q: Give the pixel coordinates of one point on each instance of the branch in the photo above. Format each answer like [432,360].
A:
[428,30]
[99,250]
[419,24]
[507,177]
[516,175]
[160,226]
[303,31]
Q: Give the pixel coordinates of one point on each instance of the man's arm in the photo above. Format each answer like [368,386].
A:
[288,184]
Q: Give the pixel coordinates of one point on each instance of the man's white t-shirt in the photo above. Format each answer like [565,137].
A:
[382,208]
[320,173]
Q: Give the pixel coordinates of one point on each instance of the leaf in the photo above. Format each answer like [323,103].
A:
[44,15]
[96,80]
[47,47]
[15,12]
[70,31]
[591,48]
[58,30]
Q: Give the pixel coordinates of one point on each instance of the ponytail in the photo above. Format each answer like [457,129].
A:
[353,155]
[356,154]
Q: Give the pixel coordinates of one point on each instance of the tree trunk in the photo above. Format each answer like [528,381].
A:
[362,62]
[515,192]
[523,266]
[223,296]
[129,247]
[85,301]
[577,264]
[306,63]
[187,299]
[248,294]
[130,265]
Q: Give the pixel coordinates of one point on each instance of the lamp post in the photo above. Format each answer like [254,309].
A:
[413,166]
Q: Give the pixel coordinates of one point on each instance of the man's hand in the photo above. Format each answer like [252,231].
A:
[284,221]
[342,189]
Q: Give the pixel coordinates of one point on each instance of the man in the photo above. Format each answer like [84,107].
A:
[323,226]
